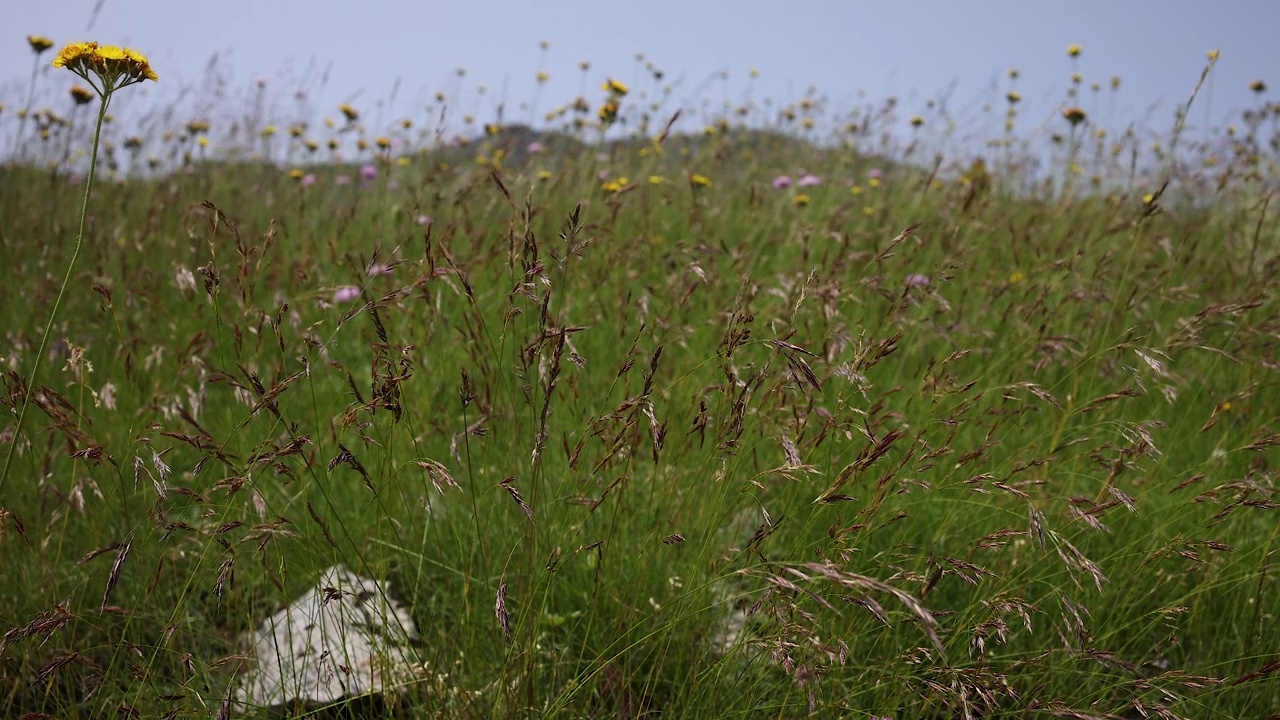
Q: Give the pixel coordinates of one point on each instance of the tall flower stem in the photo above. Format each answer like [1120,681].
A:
[32,382]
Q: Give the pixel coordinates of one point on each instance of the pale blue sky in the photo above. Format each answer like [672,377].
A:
[914,50]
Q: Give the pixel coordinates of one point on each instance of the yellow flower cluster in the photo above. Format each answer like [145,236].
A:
[113,66]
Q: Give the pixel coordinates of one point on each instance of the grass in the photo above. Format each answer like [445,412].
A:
[956,443]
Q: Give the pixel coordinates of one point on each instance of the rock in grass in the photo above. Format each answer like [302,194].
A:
[344,638]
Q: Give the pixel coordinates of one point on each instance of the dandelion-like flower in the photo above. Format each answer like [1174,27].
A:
[112,67]
[1258,86]
[614,87]
[801,200]
[608,113]
[39,43]
[1074,50]
[916,121]
[697,180]
[1074,115]
[81,95]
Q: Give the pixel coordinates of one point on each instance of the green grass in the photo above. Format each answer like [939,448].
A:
[1039,485]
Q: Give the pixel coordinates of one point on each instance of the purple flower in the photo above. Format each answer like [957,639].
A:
[536,147]
[422,220]
[875,173]
[917,280]
[809,181]
[308,180]
[368,172]
[782,182]
[342,180]
[346,293]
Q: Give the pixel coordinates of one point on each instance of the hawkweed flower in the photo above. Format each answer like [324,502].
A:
[350,113]
[1258,86]
[1074,50]
[608,113]
[615,88]
[106,68]
[39,43]
[801,200]
[698,181]
[1074,115]
[81,95]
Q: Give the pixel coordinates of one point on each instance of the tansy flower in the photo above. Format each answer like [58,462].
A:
[39,43]
[1074,50]
[81,95]
[801,200]
[1074,115]
[350,113]
[697,180]
[615,87]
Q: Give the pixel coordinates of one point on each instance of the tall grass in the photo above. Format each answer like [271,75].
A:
[954,443]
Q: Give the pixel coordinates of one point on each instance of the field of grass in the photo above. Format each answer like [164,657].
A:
[637,428]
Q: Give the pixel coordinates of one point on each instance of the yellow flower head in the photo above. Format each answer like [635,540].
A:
[608,112]
[615,87]
[1212,55]
[801,200]
[349,112]
[543,76]
[1258,86]
[81,95]
[113,66]
[917,121]
[656,180]
[1074,115]
[1074,50]
[544,174]
[196,127]
[383,143]
[697,180]
[268,131]
[1014,97]
[39,43]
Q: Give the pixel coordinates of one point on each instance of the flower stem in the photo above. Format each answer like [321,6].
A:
[32,383]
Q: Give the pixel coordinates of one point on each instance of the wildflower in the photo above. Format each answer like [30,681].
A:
[1014,97]
[81,95]
[801,200]
[308,180]
[383,143]
[656,180]
[350,113]
[296,173]
[195,127]
[297,131]
[856,189]
[1076,78]
[697,180]
[368,172]
[1074,115]
[1016,277]
[1258,86]
[1115,82]
[114,67]
[1013,73]
[543,76]
[873,182]
[917,121]
[535,147]
[346,293]
[1212,55]
[268,131]
[781,182]
[1148,198]
[608,112]
[808,180]
[614,87]
[916,280]
[611,186]
[544,174]
[1074,50]
[39,43]
[333,144]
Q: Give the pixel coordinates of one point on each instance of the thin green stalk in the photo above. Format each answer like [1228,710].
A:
[57,302]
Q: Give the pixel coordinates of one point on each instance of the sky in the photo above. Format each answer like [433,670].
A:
[389,58]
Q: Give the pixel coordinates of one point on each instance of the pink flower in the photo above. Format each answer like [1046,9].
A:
[809,181]
[917,280]
[536,147]
[346,293]
[781,182]
[342,180]
[875,173]
[422,220]
[368,172]
[308,180]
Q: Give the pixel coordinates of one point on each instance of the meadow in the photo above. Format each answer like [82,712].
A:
[791,413]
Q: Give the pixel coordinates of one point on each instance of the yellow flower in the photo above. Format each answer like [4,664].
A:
[402,161]
[1212,55]
[113,66]
[1074,50]
[1014,97]
[1258,86]
[801,200]
[1115,82]
[1146,199]
[268,131]
[544,174]
[856,189]
[296,174]
[543,76]
[917,121]
[656,179]
[362,144]
[1013,73]
[615,87]
[195,127]
[383,143]
[873,182]
[350,113]
[697,180]
[203,141]
[39,43]
[333,144]
[1016,277]
[297,130]
[1074,115]
[81,95]
[611,186]
[608,112]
